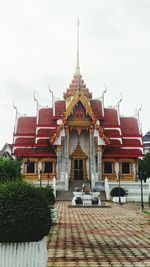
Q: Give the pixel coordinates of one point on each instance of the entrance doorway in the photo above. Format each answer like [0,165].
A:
[78,169]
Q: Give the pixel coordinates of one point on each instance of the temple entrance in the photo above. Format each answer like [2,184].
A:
[78,169]
[78,164]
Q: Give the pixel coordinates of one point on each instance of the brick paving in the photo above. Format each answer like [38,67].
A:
[116,236]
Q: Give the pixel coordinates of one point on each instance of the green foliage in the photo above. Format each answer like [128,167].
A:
[9,169]
[144,167]
[149,201]
[115,192]
[24,213]
[48,191]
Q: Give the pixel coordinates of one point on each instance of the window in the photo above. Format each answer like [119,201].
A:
[125,167]
[30,167]
[107,167]
[48,167]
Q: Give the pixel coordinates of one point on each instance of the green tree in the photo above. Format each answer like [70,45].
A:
[9,169]
[144,167]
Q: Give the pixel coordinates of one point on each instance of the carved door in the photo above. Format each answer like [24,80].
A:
[78,169]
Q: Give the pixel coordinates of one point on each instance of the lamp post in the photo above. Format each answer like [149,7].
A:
[119,190]
[40,178]
[40,172]
[142,175]
[142,202]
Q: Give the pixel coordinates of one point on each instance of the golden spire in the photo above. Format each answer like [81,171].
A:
[77,72]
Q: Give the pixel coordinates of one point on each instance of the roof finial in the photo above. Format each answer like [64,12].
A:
[77,72]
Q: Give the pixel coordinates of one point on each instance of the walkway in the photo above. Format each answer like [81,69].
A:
[116,236]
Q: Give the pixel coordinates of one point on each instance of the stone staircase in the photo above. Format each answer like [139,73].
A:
[73,186]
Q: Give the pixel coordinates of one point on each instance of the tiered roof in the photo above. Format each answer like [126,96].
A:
[36,136]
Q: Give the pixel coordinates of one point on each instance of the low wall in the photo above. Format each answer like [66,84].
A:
[31,254]
[134,190]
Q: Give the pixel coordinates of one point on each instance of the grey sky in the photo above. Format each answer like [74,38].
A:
[38,48]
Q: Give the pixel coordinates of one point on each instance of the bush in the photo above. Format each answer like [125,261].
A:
[149,201]
[24,213]
[48,192]
[115,192]
[9,169]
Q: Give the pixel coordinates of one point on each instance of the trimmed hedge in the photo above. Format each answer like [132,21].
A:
[9,170]
[24,213]
[115,192]
[48,191]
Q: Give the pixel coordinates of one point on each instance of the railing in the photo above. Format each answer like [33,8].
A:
[133,188]
[31,254]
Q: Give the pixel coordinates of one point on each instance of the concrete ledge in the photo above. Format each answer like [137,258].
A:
[89,206]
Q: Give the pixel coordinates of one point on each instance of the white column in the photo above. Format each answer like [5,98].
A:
[99,162]
[91,153]
[59,163]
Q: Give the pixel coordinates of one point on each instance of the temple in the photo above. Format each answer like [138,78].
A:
[77,138]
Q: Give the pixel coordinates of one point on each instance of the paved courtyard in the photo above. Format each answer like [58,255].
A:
[116,236]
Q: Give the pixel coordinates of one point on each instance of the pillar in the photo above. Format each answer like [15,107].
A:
[59,162]
[66,144]
[91,153]
[99,162]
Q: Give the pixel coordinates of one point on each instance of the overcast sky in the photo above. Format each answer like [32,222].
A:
[38,48]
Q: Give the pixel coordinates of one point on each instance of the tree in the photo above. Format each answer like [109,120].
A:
[9,169]
[144,167]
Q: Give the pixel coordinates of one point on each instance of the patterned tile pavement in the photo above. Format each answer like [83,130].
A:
[116,236]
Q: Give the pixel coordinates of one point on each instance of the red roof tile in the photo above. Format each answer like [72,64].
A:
[96,105]
[43,141]
[60,107]
[122,153]
[114,142]
[26,125]
[132,142]
[45,116]
[43,132]
[36,151]
[25,141]
[110,117]
[112,133]
[129,126]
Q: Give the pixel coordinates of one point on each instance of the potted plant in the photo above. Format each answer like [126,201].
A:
[117,192]
[25,221]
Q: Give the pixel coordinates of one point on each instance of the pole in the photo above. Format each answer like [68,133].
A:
[40,178]
[142,202]
[119,192]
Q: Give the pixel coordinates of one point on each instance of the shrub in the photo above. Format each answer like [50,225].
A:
[9,169]
[48,191]
[24,213]
[115,192]
[149,201]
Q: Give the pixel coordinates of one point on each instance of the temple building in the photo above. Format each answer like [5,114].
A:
[77,138]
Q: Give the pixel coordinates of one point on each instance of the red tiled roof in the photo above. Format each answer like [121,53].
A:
[115,142]
[45,116]
[110,117]
[112,133]
[25,141]
[132,142]
[60,107]
[96,105]
[37,151]
[122,153]
[43,141]
[129,126]
[26,125]
[43,132]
